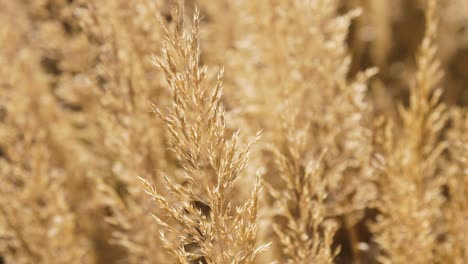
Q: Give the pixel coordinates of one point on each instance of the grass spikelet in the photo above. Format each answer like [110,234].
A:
[201,215]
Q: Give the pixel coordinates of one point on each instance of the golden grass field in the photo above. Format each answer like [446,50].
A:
[233,132]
